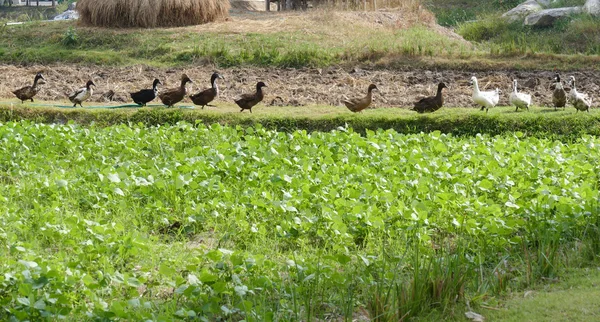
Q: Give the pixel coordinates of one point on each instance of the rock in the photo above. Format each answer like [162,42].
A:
[592,7]
[546,18]
[72,6]
[67,15]
[524,9]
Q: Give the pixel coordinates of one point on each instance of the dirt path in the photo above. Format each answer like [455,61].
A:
[294,87]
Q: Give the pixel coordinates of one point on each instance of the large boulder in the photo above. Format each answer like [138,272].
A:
[67,15]
[524,9]
[592,7]
[546,18]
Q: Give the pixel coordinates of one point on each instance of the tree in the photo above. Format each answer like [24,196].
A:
[53,3]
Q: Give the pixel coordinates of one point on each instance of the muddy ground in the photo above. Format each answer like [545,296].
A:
[293,87]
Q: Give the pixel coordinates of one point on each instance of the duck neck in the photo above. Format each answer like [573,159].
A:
[215,87]
[514,87]
[35,82]
[475,87]
[439,93]
[558,85]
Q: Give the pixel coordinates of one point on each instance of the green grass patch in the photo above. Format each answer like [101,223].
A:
[573,299]
[330,44]
[576,35]
[451,13]
[540,122]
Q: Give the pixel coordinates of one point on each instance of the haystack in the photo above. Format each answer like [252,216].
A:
[150,13]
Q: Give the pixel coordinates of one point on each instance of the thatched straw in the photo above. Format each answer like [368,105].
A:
[150,13]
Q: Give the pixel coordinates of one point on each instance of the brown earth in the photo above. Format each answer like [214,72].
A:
[294,87]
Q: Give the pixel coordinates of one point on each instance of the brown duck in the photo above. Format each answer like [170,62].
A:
[173,96]
[432,103]
[359,104]
[559,96]
[29,91]
[208,95]
[247,101]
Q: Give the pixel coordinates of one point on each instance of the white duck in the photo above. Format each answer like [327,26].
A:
[520,100]
[485,99]
[82,94]
[579,100]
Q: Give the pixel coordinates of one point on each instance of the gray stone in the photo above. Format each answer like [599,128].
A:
[72,6]
[67,15]
[524,9]
[592,7]
[546,18]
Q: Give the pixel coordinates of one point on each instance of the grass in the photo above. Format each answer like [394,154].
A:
[292,47]
[481,23]
[575,36]
[452,13]
[573,299]
[297,43]
[540,122]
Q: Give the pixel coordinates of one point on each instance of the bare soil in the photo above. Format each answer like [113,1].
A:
[293,87]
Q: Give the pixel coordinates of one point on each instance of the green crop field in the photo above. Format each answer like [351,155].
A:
[217,222]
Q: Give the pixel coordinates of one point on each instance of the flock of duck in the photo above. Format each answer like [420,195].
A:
[172,96]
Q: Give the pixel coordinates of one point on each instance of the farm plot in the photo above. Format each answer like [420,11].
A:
[186,222]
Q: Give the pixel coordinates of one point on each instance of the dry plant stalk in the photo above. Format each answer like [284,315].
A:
[151,13]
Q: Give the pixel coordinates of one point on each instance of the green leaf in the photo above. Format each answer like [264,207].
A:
[113,177]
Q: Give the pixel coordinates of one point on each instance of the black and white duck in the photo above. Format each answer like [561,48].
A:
[145,96]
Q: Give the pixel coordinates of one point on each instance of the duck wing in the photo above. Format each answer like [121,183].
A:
[171,96]
[357,104]
[24,93]
[143,96]
[204,97]
[246,101]
[426,104]
[78,93]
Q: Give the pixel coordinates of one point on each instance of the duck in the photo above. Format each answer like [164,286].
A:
[83,94]
[559,95]
[208,95]
[358,104]
[145,96]
[580,101]
[173,96]
[247,101]
[519,100]
[432,103]
[29,91]
[485,99]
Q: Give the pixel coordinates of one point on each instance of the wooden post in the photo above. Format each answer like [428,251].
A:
[278,5]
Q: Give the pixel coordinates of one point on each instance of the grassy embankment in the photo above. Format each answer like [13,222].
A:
[481,23]
[539,122]
[298,41]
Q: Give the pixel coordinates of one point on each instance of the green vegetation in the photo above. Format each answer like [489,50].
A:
[189,221]
[64,42]
[574,299]
[581,35]
[301,44]
[540,122]
[451,13]
[22,13]
[481,22]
